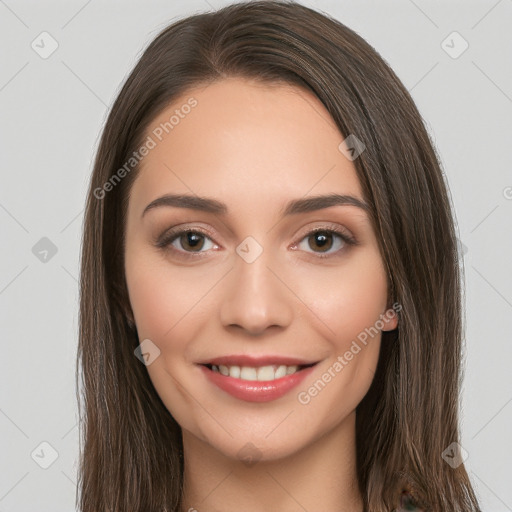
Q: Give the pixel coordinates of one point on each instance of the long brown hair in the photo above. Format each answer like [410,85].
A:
[131,456]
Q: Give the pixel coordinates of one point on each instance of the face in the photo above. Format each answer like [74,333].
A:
[252,277]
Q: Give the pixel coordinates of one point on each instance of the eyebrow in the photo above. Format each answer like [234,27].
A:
[296,206]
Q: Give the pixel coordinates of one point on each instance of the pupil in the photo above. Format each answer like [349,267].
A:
[321,238]
[193,239]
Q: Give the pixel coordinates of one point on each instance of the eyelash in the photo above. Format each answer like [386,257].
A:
[168,238]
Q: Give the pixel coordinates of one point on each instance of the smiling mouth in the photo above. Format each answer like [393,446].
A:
[260,373]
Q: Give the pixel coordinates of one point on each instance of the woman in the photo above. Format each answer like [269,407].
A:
[270,291]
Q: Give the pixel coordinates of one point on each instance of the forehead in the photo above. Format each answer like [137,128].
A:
[238,139]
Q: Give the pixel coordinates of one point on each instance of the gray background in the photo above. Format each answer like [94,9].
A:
[52,112]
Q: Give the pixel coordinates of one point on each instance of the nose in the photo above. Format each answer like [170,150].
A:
[256,296]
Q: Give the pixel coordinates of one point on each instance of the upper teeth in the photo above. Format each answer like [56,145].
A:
[260,373]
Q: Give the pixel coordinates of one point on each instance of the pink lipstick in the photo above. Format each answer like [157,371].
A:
[276,384]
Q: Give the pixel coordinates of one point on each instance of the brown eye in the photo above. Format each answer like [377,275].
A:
[186,241]
[191,240]
[326,242]
[321,239]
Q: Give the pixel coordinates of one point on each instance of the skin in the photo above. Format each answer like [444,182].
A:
[255,147]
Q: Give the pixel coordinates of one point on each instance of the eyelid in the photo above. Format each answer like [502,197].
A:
[341,231]
[170,235]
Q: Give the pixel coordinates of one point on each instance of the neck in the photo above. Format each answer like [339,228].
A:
[320,476]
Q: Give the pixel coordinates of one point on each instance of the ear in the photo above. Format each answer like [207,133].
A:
[390,318]
[390,324]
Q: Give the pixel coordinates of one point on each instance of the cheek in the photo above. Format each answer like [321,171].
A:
[168,302]
[350,308]
[150,298]
[347,304]
[347,299]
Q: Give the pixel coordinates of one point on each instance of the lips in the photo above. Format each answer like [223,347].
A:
[254,390]
[264,388]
